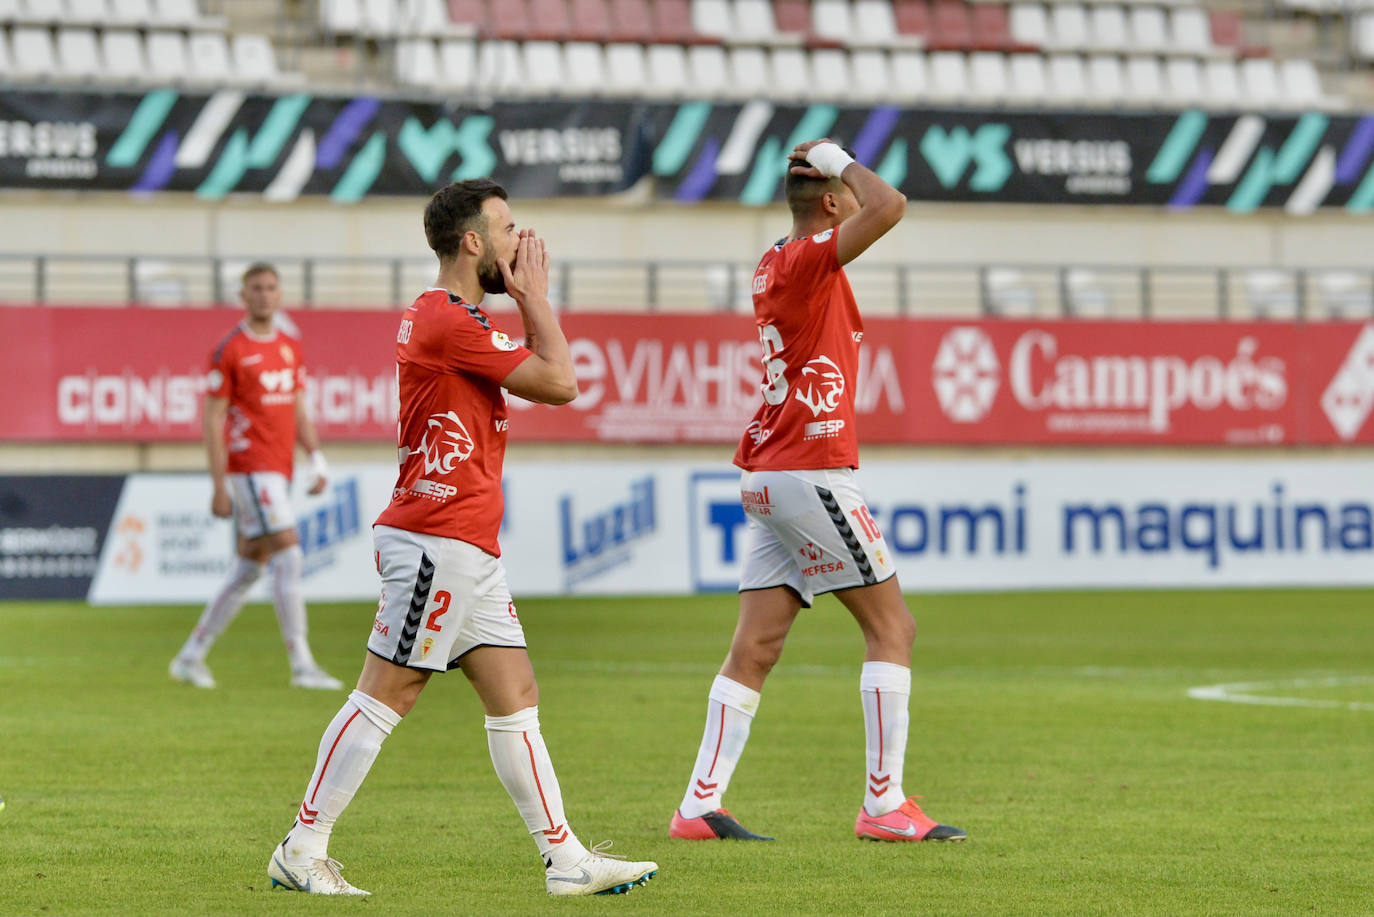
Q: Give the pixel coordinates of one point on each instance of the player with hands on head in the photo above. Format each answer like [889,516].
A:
[255,412]
[809,528]
[445,603]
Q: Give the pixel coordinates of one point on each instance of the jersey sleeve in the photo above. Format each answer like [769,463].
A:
[481,348]
[219,381]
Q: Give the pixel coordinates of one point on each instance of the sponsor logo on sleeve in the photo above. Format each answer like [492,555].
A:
[500,341]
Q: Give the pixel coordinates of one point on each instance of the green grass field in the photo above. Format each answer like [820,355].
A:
[1056,728]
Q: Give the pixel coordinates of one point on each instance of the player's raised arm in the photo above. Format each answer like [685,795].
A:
[881,206]
[216,411]
[547,377]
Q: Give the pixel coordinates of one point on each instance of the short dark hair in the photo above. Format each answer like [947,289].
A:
[256,268]
[455,210]
[803,192]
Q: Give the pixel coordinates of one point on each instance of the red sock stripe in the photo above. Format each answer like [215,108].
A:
[719,739]
[537,785]
[331,753]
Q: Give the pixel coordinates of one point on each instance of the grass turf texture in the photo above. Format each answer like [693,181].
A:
[1054,728]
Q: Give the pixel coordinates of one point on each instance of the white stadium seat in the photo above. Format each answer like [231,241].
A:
[254,60]
[948,76]
[121,50]
[1300,84]
[131,12]
[586,68]
[41,12]
[31,52]
[183,14]
[1191,31]
[87,12]
[417,63]
[1149,29]
[749,73]
[1067,81]
[1144,81]
[987,72]
[379,18]
[830,71]
[754,21]
[1220,84]
[910,76]
[874,22]
[78,54]
[872,75]
[712,17]
[498,67]
[1183,81]
[341,17]
[625,69]
[423,18]
[458,63]
[167,56]
[1029,24]
[1026,79]
[1068,27]
[1108,28]
[790,73]
[1259,81]
[706,70]
[543,66]
[208,53]
[667,67]
[832,19]
[1105,83]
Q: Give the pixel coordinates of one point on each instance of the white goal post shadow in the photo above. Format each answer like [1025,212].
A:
[1240,692]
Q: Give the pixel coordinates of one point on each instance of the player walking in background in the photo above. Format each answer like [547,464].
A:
[810,531]
[254,412]
[445,603]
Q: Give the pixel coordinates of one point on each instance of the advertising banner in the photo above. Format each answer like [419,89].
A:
[677,528]
[650,378]
[53,529]
[280,147]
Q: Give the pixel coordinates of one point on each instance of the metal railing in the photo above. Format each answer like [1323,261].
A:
[1010,290]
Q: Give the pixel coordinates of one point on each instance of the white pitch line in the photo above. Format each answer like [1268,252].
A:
[1239,692]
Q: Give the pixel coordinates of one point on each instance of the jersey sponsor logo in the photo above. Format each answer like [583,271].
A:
[820,429]
[756,502]
[379,627]
[858,336]
[502,425]
[818,569]
[823,236]
[811,551]
[445,444]
[760,282]
[821,386]
[500,341]
[757,432]
[251,359]
[433,490]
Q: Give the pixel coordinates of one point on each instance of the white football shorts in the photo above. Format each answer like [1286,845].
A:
[441,597]
[262,502]
[812,531]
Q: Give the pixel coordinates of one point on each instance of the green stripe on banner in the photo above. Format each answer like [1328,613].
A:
[1362,201]
[470,140]
[276,129]
[1297,150]
[362,171]
[769,169]
[229,168]
[671,154]
[893,167]
[144,123]
[1253,188]
[764,178]
[1178,147]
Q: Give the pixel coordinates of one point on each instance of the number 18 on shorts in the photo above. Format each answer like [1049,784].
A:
[812,531]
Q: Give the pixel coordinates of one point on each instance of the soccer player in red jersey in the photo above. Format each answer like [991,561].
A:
[810,531]
[445,603]
[254,413]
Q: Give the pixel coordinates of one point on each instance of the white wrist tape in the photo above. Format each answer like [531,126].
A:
[828,159]
[318,466]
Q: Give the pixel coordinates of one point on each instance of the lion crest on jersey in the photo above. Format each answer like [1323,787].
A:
[446,443]
[821,386]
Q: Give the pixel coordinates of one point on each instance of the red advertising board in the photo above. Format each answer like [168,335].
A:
[133,374]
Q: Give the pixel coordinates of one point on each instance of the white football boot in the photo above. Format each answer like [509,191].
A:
[320,877]
[192,672]
[316,678]
[600,873]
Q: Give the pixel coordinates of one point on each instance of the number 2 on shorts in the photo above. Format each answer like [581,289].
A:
[443,598]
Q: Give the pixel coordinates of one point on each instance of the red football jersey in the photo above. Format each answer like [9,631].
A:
[810,330]
[260,376]
[451,433]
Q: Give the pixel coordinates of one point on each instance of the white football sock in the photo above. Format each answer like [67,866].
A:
[347,750]
[728,718]
[522,762]
[222,610]
[885,689]
[286,566]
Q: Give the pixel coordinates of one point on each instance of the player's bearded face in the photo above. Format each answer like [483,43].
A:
[488,273]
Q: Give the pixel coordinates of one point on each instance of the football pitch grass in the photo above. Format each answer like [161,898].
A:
[1056,728]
